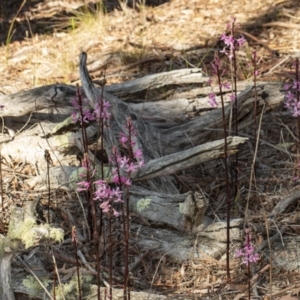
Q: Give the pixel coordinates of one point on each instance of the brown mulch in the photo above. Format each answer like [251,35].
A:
[126,43]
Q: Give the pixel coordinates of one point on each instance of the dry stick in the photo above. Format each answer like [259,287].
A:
[250,186]
[93,271]
[54,284]
[272,52]
[57,273]
[83,212]
[252,167]
[156,270]
[288,289]
[254,63]
[44,133]
[35,276]
[254,278]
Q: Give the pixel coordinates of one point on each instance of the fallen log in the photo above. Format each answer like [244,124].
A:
[164,208]
[188,141]
[40,119]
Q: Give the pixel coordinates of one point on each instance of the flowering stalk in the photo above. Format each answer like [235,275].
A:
[231,45]
[124,166]
[248,256]
[255,61]
[84,114]
[107,195]
[217,70]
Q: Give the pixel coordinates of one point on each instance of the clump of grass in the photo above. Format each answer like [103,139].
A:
[86,16]
[10,31]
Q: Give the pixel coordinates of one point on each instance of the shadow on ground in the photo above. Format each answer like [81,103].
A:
[46,16]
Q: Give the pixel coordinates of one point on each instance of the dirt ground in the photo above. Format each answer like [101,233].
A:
[40,44]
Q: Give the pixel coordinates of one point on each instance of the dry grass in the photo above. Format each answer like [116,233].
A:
[126,36]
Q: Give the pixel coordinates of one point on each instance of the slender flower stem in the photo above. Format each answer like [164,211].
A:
[248,256]
[235,104]
[254,64]
[218,73]
[92,217]
[126,158]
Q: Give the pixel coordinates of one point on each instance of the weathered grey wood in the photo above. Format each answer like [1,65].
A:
[181,160]
[209,127]
[179,211]
[120,112]
[24,103]
[154,141]
[284,203]
[165,139]
[182,105]
[183,76]
[180,246]
[182,212]
[63,148]
[8,247]
[162,166]
[6,290]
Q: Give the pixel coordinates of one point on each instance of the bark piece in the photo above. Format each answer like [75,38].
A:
[179,212]
[284,203]
[172,163]
[155,81]
[24,103]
